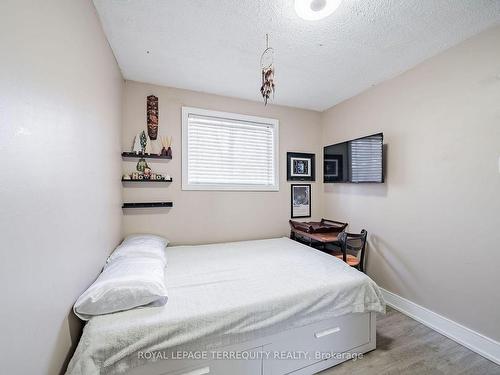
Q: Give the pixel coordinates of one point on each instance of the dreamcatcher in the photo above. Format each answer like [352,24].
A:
[267,70]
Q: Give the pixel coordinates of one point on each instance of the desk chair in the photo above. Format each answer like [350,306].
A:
[352,247]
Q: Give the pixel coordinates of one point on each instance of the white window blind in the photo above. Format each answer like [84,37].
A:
[225,151]
[366,159]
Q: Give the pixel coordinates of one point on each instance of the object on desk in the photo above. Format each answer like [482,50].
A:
[319,235]
[323,226]
[353,248]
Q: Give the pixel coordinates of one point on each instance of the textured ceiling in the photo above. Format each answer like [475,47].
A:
[215,45]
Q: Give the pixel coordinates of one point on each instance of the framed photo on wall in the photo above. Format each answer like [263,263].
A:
[300,166]
[301,200]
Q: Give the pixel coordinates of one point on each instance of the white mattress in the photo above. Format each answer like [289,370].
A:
[223,294]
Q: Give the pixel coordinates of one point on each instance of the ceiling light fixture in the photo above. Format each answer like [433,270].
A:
[313,10]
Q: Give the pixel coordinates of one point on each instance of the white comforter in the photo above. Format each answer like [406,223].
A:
[224,294]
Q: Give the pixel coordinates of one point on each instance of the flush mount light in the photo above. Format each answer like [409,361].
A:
[312,10]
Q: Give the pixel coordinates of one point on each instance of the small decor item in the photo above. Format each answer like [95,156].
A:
[167,149]
[149,150]
[300,166]
[142,165]
[155,147]
[267,71]
[301,200]
[144,141]
[147,173]
[137,148]
[152,116]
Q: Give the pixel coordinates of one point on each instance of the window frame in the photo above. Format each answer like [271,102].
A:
[186,111]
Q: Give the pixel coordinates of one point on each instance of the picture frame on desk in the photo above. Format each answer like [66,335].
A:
[300,204]
[300,166]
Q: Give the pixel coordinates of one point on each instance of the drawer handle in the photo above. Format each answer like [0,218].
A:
[199,371]
[327,332]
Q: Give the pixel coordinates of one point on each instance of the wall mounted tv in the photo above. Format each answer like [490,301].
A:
[359,160]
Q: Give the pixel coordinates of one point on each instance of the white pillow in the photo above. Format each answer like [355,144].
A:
[141,245]
[125,283]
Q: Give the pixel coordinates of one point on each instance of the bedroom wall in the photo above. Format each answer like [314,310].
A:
[434,225]
[214,216]
[60,195]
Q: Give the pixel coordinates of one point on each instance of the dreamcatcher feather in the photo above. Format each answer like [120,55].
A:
[267,71]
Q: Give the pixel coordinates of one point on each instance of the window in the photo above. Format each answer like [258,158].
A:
[227,151]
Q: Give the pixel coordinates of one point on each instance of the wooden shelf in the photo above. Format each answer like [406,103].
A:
[148,205]
[145,156]
[151,181]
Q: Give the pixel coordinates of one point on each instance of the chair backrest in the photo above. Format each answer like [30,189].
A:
[355,244]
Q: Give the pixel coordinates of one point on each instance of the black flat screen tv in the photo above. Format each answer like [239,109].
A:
[359,160]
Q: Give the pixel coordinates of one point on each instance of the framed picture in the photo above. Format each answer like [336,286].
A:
[301,200]
[300,166]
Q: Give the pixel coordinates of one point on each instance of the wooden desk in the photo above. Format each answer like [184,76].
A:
[321,239]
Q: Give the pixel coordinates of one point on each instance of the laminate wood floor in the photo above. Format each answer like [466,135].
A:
[405,346]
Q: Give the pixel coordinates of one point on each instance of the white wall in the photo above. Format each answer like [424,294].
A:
[60,195]
[434,225]
[215,216]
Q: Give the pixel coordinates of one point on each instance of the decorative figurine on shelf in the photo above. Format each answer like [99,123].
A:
[147,173]
[167,149]
[152,116]
[142,165]
[149,150]
[144,141]
[137,144]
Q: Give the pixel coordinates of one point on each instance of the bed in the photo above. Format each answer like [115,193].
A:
[254,307]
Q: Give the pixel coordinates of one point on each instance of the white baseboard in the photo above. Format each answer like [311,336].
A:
[482,345]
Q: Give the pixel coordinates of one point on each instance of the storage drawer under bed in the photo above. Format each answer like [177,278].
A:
[318,342]
[296,351]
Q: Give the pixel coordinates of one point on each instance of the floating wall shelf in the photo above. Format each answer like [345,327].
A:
[145,156]
[151,181]
[148,205]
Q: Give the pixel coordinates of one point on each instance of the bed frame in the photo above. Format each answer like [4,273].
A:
[315,347]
